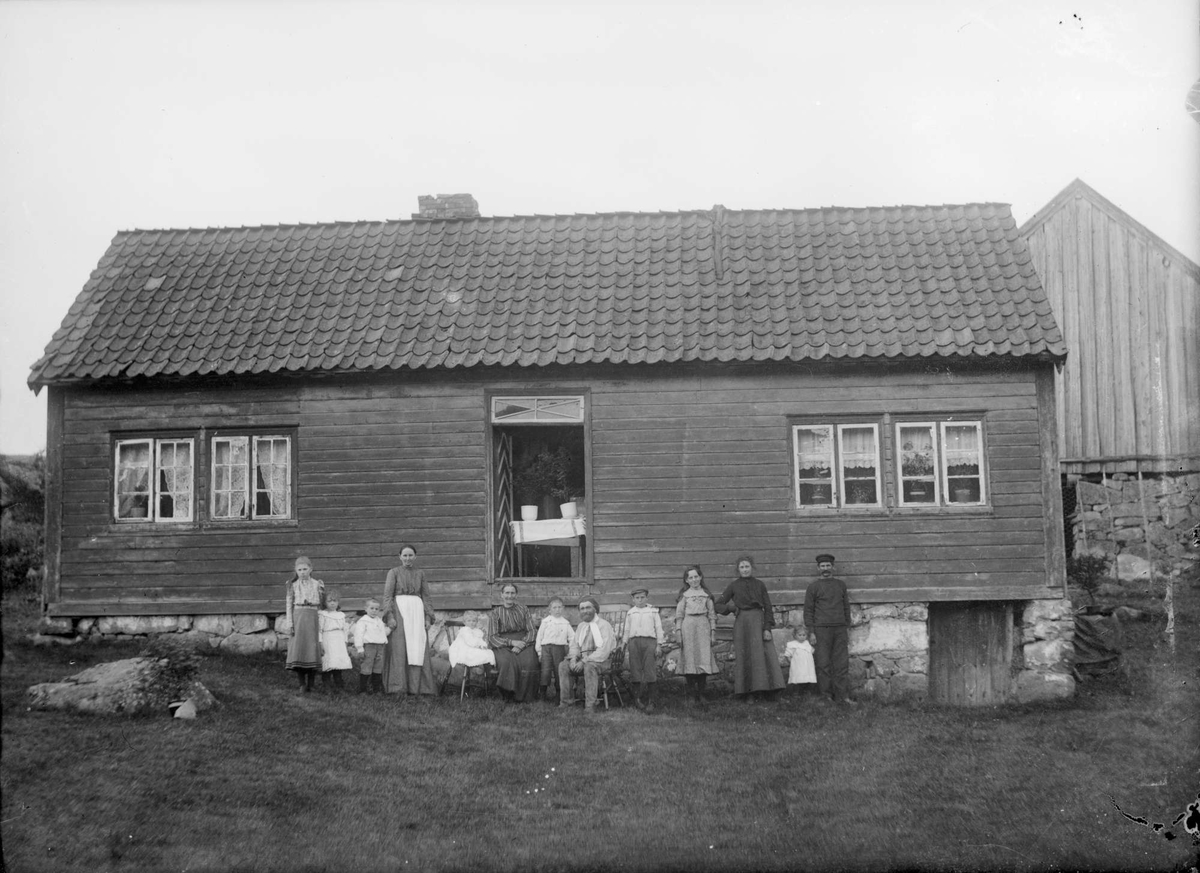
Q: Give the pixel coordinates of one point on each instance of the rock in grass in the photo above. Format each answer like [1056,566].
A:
[249,644]
[1039,687]
[166,672]
[131,686]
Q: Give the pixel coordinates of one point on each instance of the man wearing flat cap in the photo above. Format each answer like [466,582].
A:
[587,655]
[827,620]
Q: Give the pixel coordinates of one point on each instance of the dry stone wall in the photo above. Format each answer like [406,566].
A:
[1134,523]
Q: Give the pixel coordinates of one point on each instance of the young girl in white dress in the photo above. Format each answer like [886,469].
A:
[799,652]
[470,648]
[335,656]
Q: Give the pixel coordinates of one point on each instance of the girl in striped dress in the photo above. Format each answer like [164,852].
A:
[697,622]
[305,599]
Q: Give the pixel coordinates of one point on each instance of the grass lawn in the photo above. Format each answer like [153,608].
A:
[271,780]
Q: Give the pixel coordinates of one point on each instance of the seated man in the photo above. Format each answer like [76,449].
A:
[591,646]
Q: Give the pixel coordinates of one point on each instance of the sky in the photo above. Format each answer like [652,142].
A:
[124,115]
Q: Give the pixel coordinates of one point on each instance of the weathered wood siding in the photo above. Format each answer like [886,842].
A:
[1129,309]
[687,465]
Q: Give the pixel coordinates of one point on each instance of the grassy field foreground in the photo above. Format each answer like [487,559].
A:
[274,781]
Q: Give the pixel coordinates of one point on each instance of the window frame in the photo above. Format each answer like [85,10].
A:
[934,477]
[980,461]
[251,491]
[155,492]
[539,409]
[835,433]
[943,491]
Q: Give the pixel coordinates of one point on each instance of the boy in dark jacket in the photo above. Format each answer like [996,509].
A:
[827,619]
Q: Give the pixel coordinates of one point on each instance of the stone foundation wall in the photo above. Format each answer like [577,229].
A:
[889,642]
[1043,649]
[1109,521]
[889,650]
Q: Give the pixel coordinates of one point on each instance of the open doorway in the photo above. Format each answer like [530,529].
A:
[539,464]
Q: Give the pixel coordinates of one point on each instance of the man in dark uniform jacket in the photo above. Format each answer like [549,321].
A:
[827,620]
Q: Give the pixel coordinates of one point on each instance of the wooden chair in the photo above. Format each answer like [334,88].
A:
[481,678]
[611,679]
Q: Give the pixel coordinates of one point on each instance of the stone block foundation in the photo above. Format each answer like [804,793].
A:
[889,642]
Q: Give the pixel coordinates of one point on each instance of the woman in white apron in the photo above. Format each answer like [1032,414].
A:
[407,667]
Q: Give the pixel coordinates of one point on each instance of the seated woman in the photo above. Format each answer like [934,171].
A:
[511,638]
[470,648]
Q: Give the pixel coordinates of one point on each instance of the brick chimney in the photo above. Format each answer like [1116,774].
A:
[447,206]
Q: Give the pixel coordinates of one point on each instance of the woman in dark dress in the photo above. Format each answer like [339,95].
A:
[511,635]
[407,663]
[756,663]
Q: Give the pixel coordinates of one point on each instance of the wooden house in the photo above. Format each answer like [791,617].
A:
[874,382]
[1128,305]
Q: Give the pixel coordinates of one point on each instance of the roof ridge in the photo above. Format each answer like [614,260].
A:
[1077,185]
[539,216]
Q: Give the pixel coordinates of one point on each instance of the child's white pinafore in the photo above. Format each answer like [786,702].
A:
[333,638]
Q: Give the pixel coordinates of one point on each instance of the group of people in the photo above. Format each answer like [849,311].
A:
[548,661]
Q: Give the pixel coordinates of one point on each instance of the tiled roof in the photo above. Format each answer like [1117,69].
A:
[719,285]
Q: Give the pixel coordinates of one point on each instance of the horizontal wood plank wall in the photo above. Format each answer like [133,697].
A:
[1129,309]
[687,466]
[698,470]
[376,468]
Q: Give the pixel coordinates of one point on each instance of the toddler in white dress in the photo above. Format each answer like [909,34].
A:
[470,648]
[335,656]
[799,652]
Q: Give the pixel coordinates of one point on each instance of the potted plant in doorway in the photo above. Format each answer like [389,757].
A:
[544,481]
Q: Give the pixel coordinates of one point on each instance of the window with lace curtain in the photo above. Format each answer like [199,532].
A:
[154,480]
[251,477]
[940,463]
[837,465]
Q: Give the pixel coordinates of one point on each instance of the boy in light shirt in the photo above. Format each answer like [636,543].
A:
[553,640]
[643,638]
[370,640]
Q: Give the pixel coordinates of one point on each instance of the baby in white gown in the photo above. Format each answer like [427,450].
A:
[470,648]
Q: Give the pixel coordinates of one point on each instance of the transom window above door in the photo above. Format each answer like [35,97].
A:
[537,410]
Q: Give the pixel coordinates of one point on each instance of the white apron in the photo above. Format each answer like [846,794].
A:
[412,613]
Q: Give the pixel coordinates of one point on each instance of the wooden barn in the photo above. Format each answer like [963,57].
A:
[879,383]
[1128,305]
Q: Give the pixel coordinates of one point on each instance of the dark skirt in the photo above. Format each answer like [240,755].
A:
[518,673]
[302,651]
[756,663]
[399,677]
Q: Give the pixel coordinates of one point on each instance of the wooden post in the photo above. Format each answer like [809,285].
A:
[1082,520]
[1169,596]
[1112,523]
[1052,501]
[51,593]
